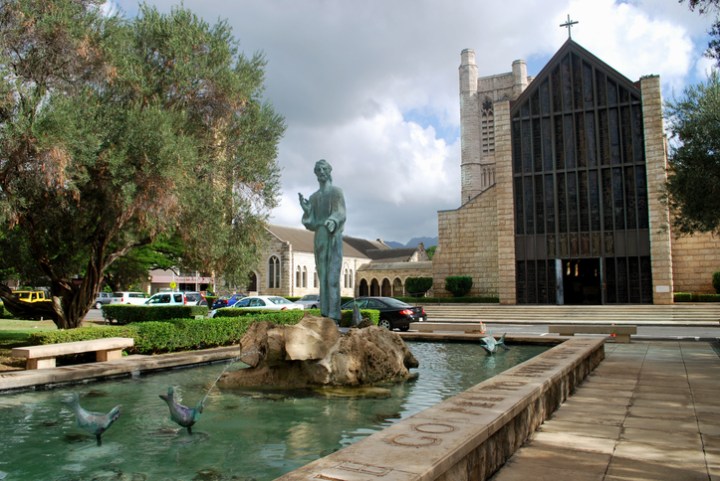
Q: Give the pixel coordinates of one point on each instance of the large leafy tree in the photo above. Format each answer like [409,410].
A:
[116,132]
[694,175]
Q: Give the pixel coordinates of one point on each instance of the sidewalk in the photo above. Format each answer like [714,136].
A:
[650,411]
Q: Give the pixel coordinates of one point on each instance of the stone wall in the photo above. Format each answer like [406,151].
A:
[468,246]
[694,259]
[656,171]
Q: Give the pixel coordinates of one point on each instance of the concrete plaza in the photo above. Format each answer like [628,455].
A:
[650,411]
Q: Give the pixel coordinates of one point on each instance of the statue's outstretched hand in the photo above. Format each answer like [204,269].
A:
[304,203]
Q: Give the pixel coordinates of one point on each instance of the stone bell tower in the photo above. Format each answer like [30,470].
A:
[477,138]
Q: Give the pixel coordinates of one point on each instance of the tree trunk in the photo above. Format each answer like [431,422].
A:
[69,301]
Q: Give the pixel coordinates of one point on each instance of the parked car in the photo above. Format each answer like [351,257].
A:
[267,303]
[31,296]
[310,301]
[194,297]
[219,303]
[234,298]
[103,298]
[167,299]
[128,297]
[394,313]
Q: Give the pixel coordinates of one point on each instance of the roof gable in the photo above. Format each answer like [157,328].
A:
[567,54]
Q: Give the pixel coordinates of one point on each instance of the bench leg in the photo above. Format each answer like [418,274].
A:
[41,363]
[622,338]
[108,355]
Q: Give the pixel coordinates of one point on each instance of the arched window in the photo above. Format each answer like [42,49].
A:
[304,276]
[298,277]
[274,272]
[315,280]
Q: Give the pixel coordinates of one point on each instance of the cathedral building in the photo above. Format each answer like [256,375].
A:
[562,178]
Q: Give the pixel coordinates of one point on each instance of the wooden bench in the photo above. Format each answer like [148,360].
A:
[621,333]
[466,327]
[41,357]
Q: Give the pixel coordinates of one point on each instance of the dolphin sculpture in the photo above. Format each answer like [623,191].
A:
[490,344]
[92,422]
[182,415]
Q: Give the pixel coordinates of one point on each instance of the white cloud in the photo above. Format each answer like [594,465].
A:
[372,85]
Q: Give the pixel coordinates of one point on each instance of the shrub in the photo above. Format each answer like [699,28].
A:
[418,286]
[458,286]
[278,317]
[154,337]
[716,282]
[706,297]
[371,314]
[210,300]
[682,297]
[125,314]
[81,334]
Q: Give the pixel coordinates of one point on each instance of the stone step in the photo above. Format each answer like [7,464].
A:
[707,313]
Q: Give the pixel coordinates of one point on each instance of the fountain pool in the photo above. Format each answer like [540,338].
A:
[241,434]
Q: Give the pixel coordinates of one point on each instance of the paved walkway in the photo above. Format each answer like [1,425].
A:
[650,411]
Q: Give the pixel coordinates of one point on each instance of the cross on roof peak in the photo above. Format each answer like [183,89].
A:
[568,24]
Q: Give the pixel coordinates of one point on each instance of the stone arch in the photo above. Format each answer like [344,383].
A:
[363,289]
[386,288]
[398,289]
[374,288]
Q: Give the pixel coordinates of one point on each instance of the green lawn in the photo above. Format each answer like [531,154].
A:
[14,332]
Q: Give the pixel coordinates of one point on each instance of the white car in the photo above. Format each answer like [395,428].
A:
[127,297]
[167,299]
[266,303]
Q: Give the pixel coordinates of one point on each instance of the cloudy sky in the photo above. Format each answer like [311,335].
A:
[372,85]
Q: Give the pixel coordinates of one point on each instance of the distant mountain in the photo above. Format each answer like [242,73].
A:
[394,244]
[427,242]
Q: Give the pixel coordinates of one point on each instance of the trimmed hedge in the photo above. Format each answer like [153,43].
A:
[373,315]
[716,282]
[293,317]
[155,337]
[125,314]
[418,286]
[458,286]
[695,297]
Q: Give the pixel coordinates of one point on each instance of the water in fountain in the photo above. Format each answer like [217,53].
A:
[242,433]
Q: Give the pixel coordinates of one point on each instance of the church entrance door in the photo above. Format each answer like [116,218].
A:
[581,281]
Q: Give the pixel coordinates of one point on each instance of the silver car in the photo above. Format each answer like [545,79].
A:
[310,301]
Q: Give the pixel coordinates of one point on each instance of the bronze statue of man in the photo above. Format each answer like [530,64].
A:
[324,214]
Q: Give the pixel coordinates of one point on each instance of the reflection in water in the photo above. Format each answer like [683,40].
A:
[247,434]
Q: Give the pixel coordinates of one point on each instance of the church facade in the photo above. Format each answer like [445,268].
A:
[562,177]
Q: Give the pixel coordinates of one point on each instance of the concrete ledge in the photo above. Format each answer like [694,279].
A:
[620,333]
[468,327]
[469,436]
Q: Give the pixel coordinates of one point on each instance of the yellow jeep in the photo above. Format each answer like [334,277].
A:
[31,296]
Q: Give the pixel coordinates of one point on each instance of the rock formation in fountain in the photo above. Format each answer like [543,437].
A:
[315,353]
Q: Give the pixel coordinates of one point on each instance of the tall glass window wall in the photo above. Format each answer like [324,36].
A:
[579,187]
